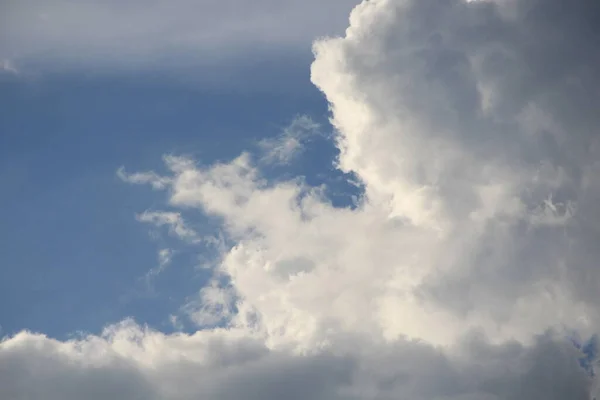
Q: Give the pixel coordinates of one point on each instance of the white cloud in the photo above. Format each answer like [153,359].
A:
[8,66]
[157,182]
[165,257]
[283,148]
[477,231]
[215,305]
[174,221]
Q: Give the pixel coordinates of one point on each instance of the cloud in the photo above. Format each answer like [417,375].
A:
[283,148]
[7,66]
[160,34]
[468,129]
[174,221]
[165,257]
[132,362]
[157,182]
[215,305]
[459,275]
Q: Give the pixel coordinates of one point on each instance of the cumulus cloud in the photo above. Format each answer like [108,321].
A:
[468,260]
[130,362]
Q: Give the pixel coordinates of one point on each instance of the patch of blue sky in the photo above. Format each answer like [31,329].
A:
[590,351]
[73,256]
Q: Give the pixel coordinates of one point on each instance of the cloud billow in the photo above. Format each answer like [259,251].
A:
[470,255]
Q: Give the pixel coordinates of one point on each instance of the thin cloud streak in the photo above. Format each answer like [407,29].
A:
[161,34]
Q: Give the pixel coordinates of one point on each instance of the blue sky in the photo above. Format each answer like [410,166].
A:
[226,200]
[73,253]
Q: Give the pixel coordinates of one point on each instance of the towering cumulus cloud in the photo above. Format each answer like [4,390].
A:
[461,272]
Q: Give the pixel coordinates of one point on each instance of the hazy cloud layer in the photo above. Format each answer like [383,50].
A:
[459,275]
[160,33]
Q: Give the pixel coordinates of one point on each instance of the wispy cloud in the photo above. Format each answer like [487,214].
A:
[8,66]
[214,305]
[164,259]
[283,148]
[157,182]
[175,322]
[173,221]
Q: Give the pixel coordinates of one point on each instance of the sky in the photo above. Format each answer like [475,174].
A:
[299,199]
